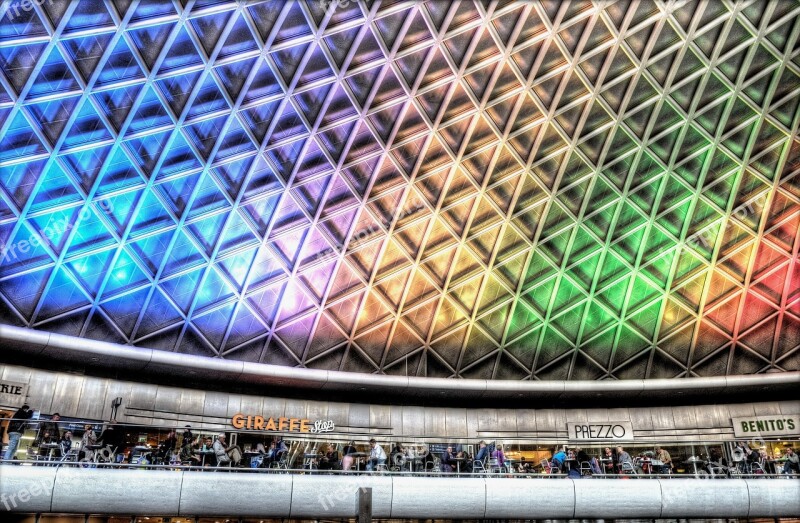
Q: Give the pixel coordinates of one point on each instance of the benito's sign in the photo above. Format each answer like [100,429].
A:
[281,424]
[758,426]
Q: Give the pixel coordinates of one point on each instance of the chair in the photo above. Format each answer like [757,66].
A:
[33,455]
[70,456]
[547,467]
[586,468]
[477,467]
[627,468]
[756,468]
[281,464]
[494,466]
[717,470]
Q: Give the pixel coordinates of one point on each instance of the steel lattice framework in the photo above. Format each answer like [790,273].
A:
[522,190]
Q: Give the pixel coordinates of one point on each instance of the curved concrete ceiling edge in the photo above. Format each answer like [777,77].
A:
[157,363]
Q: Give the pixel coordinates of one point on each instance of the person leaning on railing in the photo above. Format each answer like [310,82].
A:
[15,429]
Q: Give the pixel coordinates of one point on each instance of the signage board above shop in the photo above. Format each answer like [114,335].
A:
[600,431]
[281,424]
[13,394]
[766,426]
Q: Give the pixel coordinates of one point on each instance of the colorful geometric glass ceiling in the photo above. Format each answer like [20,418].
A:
[522,190]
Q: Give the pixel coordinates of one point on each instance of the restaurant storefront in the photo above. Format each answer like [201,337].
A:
[528,436]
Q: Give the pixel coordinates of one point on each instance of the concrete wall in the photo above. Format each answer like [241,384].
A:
[157,405]
[183,493]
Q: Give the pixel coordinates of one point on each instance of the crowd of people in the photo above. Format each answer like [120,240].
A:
[55,440]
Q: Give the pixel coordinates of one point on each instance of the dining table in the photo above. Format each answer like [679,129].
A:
[357,459]
[50,448]
[458,462]
[203,454]
[693,462]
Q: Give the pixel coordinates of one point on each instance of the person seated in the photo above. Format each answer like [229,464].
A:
[664,457]
[227,456]
[792,463]
[209,453]
[398,456]
[483,452]
[377,456]
[347,455]
[65,445]
[608,460]
[622,458]
[188,454]
[499,457]
[329,459]
[281,450]
[558,459]
[448,465]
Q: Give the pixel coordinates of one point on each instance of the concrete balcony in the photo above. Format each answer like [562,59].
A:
[42,489]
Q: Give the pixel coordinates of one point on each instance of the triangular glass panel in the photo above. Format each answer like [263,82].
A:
[86,128]
[116,104]
[176,89]
[53,115]
[121,66]
[149,41]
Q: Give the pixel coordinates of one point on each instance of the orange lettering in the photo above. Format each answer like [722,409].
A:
[294,424]
[271,424]
[304,425]
[259,423]
[282,422]
[238,421]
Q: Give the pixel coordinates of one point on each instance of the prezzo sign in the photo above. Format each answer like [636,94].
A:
[242,421]
[757,426]
[13,394]
[601,431]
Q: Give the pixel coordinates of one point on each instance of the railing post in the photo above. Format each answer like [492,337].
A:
[364,505]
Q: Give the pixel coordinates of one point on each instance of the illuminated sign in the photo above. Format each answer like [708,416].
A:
[757,426]
[602,431]
[242,421]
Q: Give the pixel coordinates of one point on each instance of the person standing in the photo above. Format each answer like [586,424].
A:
[188,437]
[114,439]
[50,428]
[16,427]
[89,440]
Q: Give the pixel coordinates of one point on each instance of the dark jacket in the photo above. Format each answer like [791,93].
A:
[19,421]
[112,437]
[51,428]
